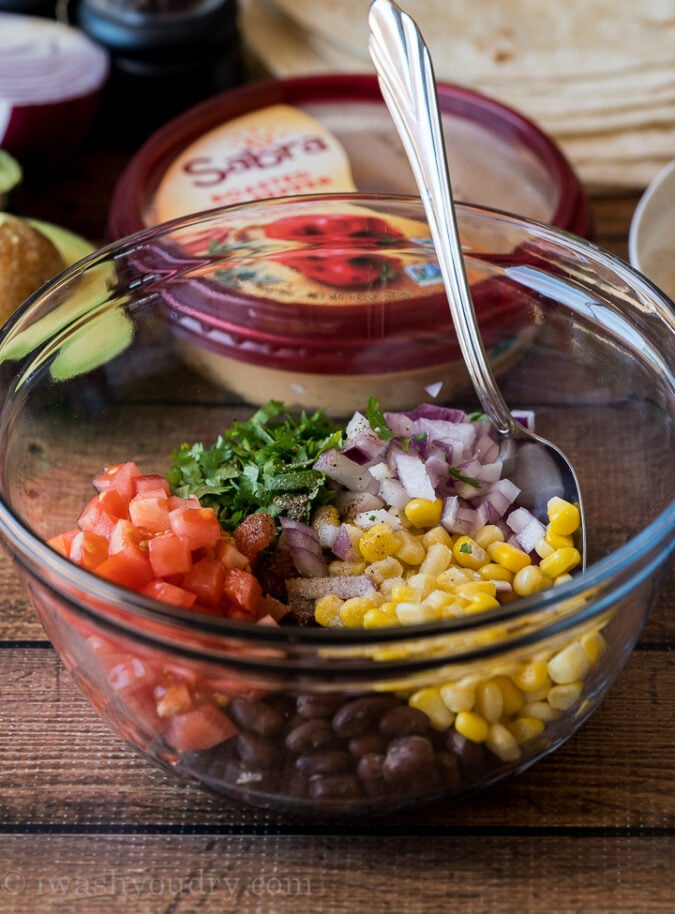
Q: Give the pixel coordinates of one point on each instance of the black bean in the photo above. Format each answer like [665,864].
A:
[310,705]
[371,774]
[256,716]
[257,751]
[310,734]
[471,756]
[324,761]
[448,768]
[408,758]
[404,721]
[335,787]
[368,743]
[357,717]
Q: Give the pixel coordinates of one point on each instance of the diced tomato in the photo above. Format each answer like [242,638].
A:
[88,549]
[139,704]
[272,608]
[169,555]
[131,673]
[201,728]
[125,534]
[198,525]
[151,484]
[255,533]
[166,592]
[130,567]
[176,503]
[102,512]
[242,590]
[206,579]
[118,477]
[150,512]
[174,698]
[63,541]
[228,553]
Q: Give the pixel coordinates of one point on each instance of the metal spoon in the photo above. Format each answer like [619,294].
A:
[405,71]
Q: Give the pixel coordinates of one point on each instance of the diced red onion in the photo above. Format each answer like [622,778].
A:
[351,503]
[413,476]
[343,470]
[368,519]
[303,544]
[527,528]
[433,411]
[343,586]
[51,79]
[456,517]
[343,546]
[392,493]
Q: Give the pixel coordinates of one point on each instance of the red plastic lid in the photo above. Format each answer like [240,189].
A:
[498,158]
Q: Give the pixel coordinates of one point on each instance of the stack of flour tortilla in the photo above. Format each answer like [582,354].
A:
[598,75]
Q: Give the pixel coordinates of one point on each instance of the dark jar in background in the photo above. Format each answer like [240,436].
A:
[167,55]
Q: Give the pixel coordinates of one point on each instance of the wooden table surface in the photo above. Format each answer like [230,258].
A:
[86,824]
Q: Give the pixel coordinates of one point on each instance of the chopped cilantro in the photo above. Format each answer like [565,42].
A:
[377,421]
[469,480]
[263,464]
[476,417]
[466,547]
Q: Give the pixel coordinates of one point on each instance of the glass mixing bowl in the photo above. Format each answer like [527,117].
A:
[169,335]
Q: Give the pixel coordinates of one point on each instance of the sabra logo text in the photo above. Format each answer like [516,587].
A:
[208,173]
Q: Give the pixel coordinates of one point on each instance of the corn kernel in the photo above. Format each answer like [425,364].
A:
[410,549]
[437,559]
[526,728]
[422,512]
[494,572]
[543,549]
[569,664]
[472,726]
[482,602]
[502,743]
[557,540]
[471,588]
[379,542]
[561,579]
[532,677]
[560,561]
[456,697]
[439,598]
[512,697]
[416,613]
[423,584]
[342,569]
[563,516]
[353,611]
[468,553]
[429,700]
[529,580]
[327,611]
[455,576]
[563,697]
[403,593]
[541,710]
[593,644]
[489,534]
[389,585]
[436,535]
[385,568]
[379,618]
[508,556]
[489,701]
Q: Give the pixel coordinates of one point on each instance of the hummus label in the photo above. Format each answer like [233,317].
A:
[277,151]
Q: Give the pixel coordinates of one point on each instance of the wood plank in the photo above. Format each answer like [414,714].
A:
[336,874]
[59,765]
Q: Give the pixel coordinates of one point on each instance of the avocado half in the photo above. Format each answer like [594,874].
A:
[99,328]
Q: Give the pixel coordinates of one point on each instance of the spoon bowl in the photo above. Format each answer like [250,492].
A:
[406,77]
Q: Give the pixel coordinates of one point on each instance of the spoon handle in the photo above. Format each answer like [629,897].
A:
[408,86]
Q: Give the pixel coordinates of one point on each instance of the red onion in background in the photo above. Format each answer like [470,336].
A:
[51,79]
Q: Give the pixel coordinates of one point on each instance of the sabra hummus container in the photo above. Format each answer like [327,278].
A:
[327,301]
[333,134]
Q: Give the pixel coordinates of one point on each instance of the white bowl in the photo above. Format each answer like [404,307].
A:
[651,240]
